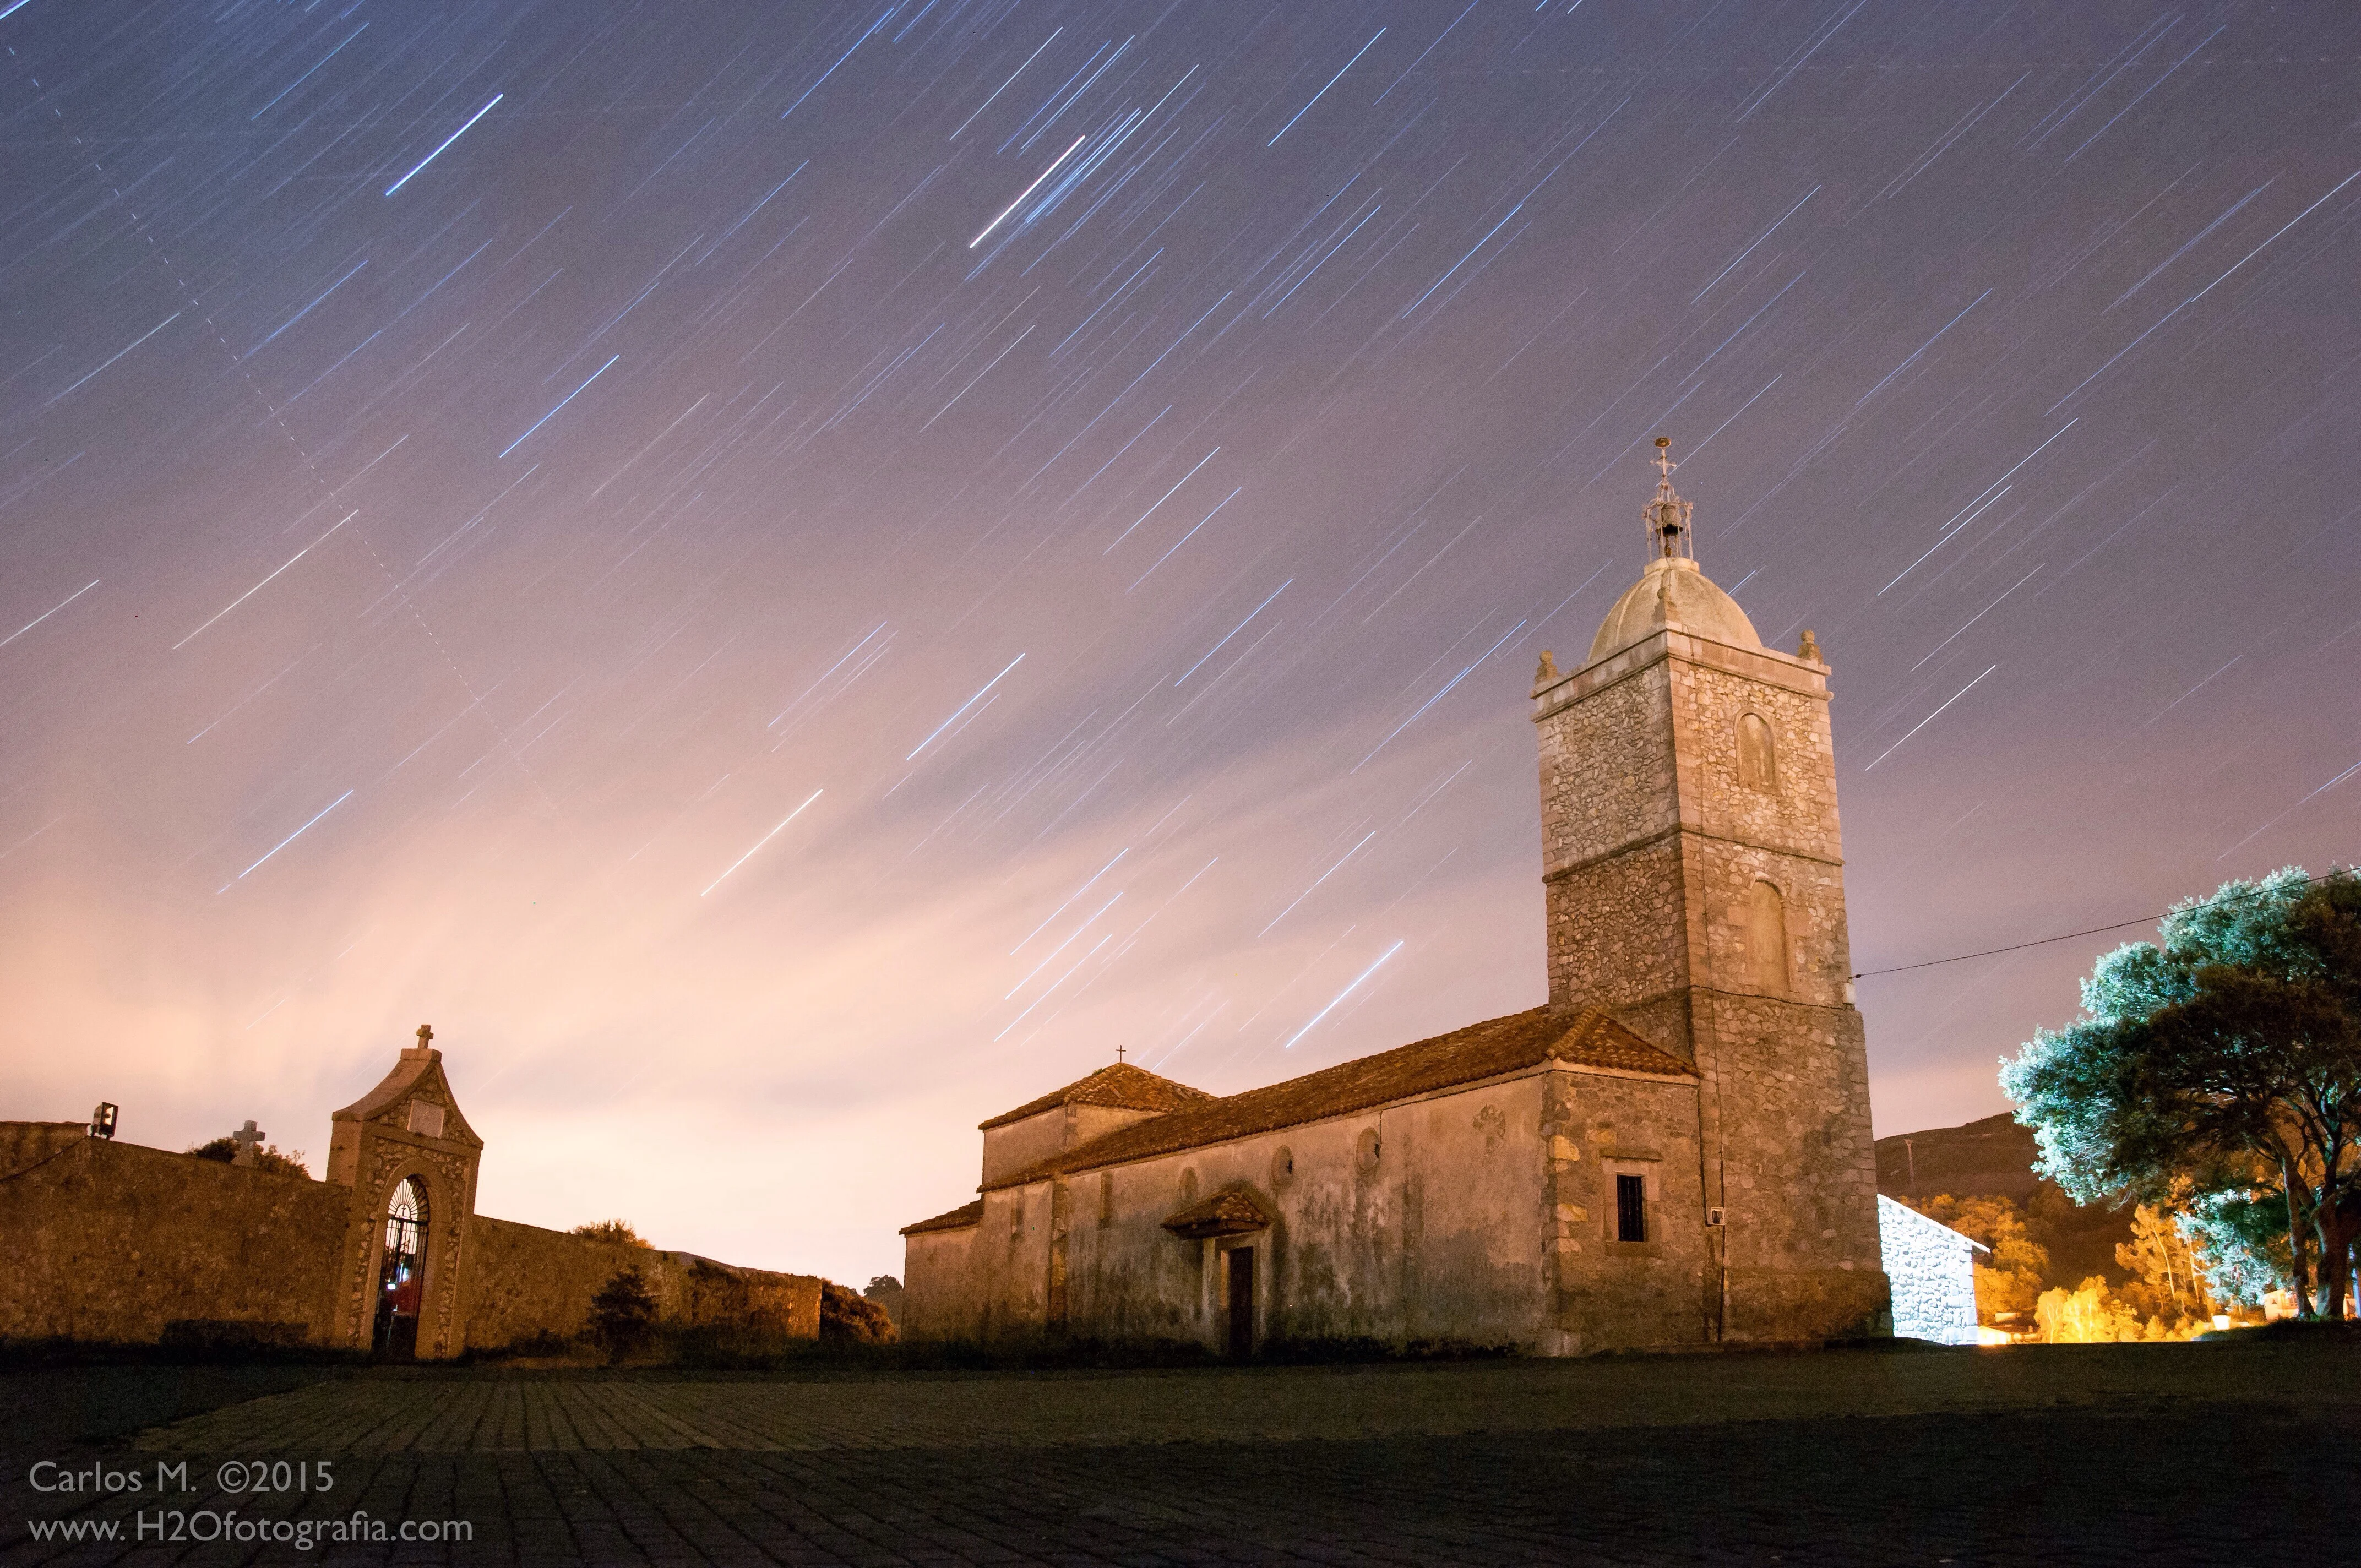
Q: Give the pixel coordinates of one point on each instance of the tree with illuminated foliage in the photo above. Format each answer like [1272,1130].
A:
[2219,1070]
[2010,1284]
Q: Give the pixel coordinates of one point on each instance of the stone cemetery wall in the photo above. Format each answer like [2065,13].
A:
[24,1145]
[523,1281]
[112,1243]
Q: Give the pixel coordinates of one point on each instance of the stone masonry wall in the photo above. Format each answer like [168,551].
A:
[1006,1266]
[1014,1145]
[1788,837]
[1439,1237]
[1797,1172]
[1933,1268]
[1801,815]
[1606,769]
[1660,933]
[1818,950]
[1787,1060]
[939,1291]
[1611,1294]
[522,1280]
[112,1243]
[1011,1147]
[1619,928]
[24,1145]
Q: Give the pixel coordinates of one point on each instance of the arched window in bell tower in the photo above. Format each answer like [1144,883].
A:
[1766,938]
[1757,754]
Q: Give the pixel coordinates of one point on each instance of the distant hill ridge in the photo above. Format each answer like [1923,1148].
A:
[1993,1157]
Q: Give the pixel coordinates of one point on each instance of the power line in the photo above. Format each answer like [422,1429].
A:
[2093,931]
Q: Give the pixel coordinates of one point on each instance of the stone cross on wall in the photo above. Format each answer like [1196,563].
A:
[247,1138]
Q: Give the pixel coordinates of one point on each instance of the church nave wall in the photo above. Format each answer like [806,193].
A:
[1433,1234]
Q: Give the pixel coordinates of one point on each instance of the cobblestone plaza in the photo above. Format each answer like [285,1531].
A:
[2163,1453]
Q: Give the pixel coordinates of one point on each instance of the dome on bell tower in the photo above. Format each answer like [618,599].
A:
[1671,591]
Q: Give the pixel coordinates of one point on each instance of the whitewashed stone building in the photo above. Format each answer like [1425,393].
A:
[1932,1268]
[1673,1150]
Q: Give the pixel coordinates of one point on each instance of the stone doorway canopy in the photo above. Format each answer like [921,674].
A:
[1232,1211]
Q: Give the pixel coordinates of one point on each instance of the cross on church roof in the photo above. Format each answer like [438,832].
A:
[425,1034]
[1118,1055]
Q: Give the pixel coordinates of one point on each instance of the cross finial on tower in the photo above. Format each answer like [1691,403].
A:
[426,1035]
[1118,1055]
[1667,516]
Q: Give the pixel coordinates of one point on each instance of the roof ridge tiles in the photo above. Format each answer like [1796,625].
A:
[962,1218]
[1512,1043]
[1121,1085]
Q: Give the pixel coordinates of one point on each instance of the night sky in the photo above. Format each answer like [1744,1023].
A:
[790,576]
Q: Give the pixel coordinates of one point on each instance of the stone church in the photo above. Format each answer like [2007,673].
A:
[1675,1150]
[109,1242]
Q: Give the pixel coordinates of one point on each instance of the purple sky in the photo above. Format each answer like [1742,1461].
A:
[788,577]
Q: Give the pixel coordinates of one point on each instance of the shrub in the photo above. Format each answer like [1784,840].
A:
[846,1318]
[622,1313]
[267,1157]
[620,1232]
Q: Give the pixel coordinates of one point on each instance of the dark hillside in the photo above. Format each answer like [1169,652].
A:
[1994,1158]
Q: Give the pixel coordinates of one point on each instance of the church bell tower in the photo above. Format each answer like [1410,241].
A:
[1695,889]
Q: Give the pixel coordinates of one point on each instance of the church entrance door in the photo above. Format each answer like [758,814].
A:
[401,1274]
[1241,1298]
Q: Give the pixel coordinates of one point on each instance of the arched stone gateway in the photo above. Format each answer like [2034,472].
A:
[406,1138]
[111,1242]
[402,1272]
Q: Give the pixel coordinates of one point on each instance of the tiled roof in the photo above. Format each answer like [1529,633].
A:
[1122,1086]
[1489,1049]
[959,1219]
[1232,1211]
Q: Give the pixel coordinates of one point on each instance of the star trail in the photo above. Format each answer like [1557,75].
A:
[467,472]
